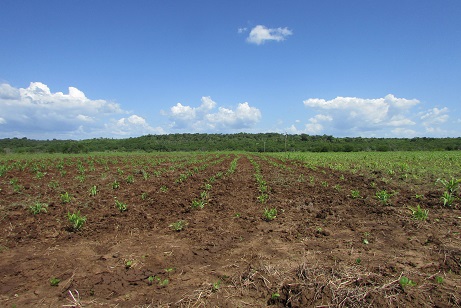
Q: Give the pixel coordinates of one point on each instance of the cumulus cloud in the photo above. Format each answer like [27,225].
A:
[357,116]
[202,118]
[36,112]
[260,34]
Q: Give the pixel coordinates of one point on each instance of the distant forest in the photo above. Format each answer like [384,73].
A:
[263,142]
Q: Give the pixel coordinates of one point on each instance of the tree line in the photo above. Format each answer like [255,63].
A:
[261,142]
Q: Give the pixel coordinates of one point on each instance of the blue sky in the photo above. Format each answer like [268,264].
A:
[84,69]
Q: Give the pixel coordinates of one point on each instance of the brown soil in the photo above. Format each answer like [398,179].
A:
[324,248]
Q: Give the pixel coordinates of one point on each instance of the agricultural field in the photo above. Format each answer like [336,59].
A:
[230,229]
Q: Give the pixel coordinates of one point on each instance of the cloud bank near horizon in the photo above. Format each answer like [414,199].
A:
[389,116]
[36,112]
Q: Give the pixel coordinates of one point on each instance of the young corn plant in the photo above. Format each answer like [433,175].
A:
[355,194]
[418,213]
[38,208]
[447,198]
[65,197]
[93,190]
[270,214]
[383,196]
[451,186]
[178,226]
[76,220]
[122,207]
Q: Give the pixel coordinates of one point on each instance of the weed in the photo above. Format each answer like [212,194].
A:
[38,208]
[358,261]
[54,281]
[439,279]
[418,213]
[77,220]
[270,214]
[178,226]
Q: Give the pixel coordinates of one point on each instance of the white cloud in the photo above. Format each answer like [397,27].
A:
[242,30]
[260,34]
[353,116]
[36,112]
[203,119]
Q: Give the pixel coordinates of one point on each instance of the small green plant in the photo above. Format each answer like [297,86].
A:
[439,279]
[447,198]
[324,183]
[122,207]
[198,203]
[451,186]
[355,194]
[270,214]
[163,282]
[417,196]
[65,197]
[163,189]
[128,264]
[204,195]
[144,196]
[358,261]
[237,215]
[150,280]
[115,185]
[208,186]
[77,220]
[130,179]
[38,208]
[383,196]
[275,296]
[337,187]
[215,286]
[418,213]
[93,190]
[178,226]
[54,281]
[406,282]
[263,197]
[365,238]
[145,175]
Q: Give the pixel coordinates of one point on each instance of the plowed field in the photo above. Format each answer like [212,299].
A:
[326,247]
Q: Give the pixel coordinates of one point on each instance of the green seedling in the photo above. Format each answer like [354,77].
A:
[65,197]
[215,286]
[275,296]
[77,220]
[270,214]
[93,190]
[163,189]
[418,213]
[178,226]
[54,281]
[144,196]
[128,264]
[207,186]
[355,194]
[150,280]
[115,185]
[451,186]
[198,203]
[406,282]
[130,179]
[122,207]
[439,279]
[383,196]
[447,198]
[263,198]
[38,208]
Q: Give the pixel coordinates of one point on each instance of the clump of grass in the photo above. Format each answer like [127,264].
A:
[178,226]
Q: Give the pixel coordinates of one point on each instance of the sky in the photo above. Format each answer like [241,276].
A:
[115,69]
